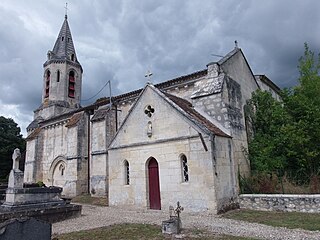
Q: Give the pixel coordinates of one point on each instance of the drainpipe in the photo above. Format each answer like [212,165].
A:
[213,159]
[116,113]
[90,112]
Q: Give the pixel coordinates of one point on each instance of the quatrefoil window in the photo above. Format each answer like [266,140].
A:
[149,110]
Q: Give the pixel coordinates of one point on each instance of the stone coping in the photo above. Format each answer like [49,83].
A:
[280,195]
[30,205]
[46,213]
[35,190]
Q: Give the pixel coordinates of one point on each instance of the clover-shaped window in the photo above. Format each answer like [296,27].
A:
[149,110]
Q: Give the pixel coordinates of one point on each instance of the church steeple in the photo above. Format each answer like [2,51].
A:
[63,47]
[62,76]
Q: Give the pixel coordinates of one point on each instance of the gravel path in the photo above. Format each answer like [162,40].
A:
[95,216]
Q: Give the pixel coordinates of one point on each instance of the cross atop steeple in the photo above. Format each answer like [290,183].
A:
[66,8]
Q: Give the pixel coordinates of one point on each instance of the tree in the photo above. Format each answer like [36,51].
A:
[286,134]
[266,119]
[303,104]
[10,138]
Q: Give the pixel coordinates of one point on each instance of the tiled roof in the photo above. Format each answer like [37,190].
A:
[162,85]
[194,115]
[74,119]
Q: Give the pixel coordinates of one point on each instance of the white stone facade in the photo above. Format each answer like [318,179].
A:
[189,133]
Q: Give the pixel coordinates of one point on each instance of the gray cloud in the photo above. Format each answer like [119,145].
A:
[121,40]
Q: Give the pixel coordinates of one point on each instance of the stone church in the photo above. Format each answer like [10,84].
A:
[178,140]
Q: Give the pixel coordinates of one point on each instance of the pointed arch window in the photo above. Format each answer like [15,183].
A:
[61,169]
[71,90]
[126,173]
[47,84]
[185,168]
[58,76]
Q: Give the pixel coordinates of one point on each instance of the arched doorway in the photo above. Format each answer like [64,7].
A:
[154,186]
[57,172]
[58,176]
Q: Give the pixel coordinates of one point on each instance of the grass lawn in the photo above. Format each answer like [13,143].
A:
[307,221]
[137,231]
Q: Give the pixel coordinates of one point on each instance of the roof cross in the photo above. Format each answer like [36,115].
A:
[148,75]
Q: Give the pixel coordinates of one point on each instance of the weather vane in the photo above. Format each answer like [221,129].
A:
[66,7]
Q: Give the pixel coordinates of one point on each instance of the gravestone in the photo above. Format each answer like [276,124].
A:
[173,225]
[16,175]
[25,229]
[40,202]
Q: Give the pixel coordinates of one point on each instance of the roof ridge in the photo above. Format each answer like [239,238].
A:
[194,115]
[228,55]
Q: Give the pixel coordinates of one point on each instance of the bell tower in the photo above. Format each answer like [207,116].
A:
[62,77]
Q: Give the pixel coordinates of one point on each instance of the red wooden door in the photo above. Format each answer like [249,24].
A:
[154,186]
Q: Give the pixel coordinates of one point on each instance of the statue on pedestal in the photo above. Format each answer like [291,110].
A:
[16,175]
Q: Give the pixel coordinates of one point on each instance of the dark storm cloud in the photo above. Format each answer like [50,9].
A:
[121,40]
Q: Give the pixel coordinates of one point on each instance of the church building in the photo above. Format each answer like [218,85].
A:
[179,140]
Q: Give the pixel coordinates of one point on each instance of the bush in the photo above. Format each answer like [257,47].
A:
[264,183]
[259,183]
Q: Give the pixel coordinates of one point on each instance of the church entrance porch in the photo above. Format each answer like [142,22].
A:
[154,186]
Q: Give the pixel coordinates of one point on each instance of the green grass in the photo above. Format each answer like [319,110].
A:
[138,231]
[307,221]
[87,199]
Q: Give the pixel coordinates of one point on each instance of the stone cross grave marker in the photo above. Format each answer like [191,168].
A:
[173,225]
[16,175]
[16,159]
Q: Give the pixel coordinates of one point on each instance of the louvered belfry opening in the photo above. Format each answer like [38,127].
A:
[71,89]
[47,84]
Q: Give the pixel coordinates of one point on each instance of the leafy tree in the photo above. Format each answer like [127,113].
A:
[10,138]
[303,104]
[286,134]
[266,118]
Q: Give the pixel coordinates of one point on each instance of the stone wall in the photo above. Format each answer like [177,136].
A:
[226,182]
[195,195]
[281,202]
[170,138]
[103,129]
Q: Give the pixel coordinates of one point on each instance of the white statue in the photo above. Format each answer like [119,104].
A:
[16,159]
[149,131]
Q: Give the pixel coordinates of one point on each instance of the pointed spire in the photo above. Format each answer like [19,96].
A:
[63,48]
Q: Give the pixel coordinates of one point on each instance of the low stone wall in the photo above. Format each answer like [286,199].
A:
[281,202]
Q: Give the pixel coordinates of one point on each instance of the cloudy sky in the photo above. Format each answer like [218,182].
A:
[120,40]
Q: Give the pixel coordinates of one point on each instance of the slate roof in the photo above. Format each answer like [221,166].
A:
[209,86]
[194,115]
[63,47]
[34,124]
